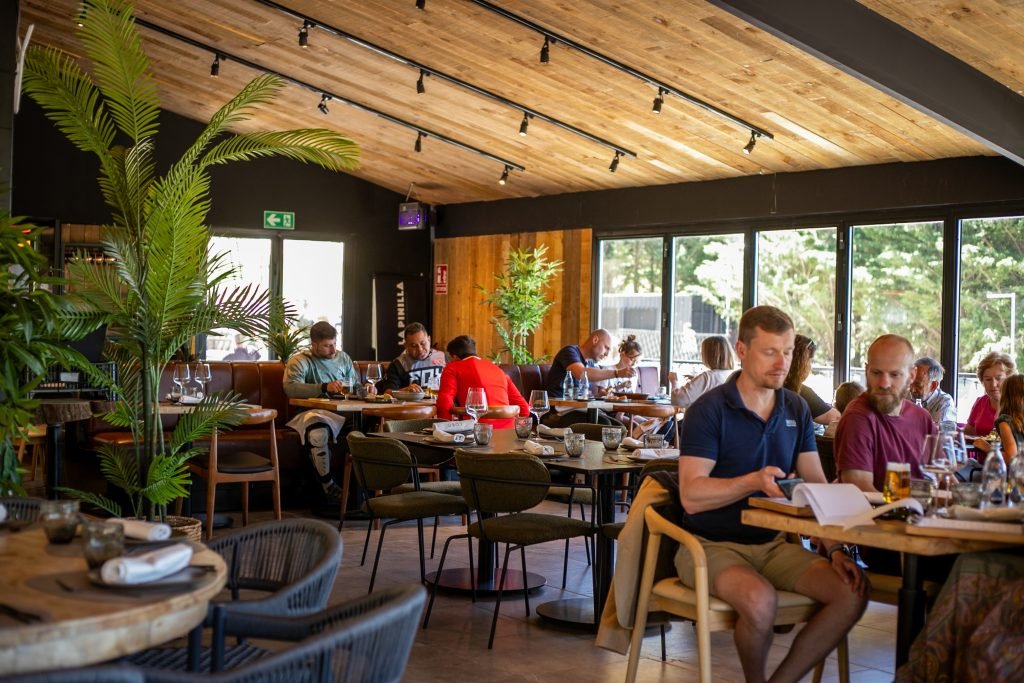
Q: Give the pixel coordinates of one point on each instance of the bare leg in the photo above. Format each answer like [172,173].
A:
[842,608]
[754,600]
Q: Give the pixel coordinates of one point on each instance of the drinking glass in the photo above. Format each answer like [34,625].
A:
[539,401]
[180,378]
[433,385]
[897,481]
[937,454]
[59,519]
[202,377]
[967,493]
[923,491]
[524,425]
[476,402]
[374,373]
[102,541]
[574,444]
[611,437]
[482,432]
[654,441]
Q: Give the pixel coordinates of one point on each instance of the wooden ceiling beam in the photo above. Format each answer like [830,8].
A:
[883,54]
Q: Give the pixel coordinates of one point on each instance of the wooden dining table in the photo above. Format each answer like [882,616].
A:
[596,465]
[81,623]
[913,542]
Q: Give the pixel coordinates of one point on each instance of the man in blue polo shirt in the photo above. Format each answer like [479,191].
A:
[737,439]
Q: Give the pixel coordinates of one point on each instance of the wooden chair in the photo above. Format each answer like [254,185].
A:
[241,467]
[34,438]
[654,411]
[696,603]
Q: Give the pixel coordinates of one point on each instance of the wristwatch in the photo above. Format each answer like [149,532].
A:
[840,546]
[323,388]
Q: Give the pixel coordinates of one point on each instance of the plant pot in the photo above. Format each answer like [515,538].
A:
[186,527]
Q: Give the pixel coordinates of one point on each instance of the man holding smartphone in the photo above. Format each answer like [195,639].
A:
[737,440]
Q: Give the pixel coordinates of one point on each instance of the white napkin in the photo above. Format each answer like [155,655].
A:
[146,567]
[3,512]
[454,426]
[560,432]
[189,400]
[445,437]
[630,442]
[534,448]
[144,531]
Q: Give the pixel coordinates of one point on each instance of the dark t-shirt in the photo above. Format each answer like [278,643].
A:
[563,359]
[718,426]
[814,402]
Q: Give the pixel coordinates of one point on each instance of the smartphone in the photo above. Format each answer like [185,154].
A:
[787,486]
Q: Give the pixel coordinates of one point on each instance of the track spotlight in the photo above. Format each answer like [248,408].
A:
[304,33]
[750,145]
[421,4]
[419,142]
[504,176]
[420,88]
[324,99]
[524,126]
[545,55]
[659,100]
[615,162]
[215,67]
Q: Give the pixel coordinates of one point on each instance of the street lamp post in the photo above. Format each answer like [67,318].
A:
[1012,296]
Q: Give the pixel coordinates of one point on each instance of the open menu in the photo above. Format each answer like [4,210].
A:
[844,505]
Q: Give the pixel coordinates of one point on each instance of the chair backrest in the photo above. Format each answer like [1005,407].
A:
[502,482]
[401,412]
[591,431]
[295,560]
[22,509]
[379,463]
[410,425]
[493,412]
[92,674]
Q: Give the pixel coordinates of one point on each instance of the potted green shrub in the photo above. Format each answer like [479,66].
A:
[163,288]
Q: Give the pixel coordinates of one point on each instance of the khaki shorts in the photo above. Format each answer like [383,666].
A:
[780,562]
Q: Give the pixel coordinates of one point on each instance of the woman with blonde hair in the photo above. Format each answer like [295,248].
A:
[716,354]
[992,370]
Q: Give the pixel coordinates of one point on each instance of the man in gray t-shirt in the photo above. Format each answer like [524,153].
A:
[418,364]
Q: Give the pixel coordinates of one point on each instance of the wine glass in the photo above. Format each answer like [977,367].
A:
[202,377]
[539,401]
[476,402]
[180,378]
[374,373]
[938,461]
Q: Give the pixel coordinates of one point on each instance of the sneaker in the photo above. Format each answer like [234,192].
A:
[332,490]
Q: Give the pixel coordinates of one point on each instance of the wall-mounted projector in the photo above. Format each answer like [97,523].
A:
[412,215]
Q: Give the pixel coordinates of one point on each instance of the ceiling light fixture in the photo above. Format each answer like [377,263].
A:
[504,175]
[418,147]
[614,166]
[557,38]
[215,67]
[304,33]
[421,4]
[324,99]
[750,145]
[525,125]
[420,88]
[545,52]
[659,100]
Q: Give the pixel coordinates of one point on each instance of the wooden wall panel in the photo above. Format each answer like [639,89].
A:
[474,261]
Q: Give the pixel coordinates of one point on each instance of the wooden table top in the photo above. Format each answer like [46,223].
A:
[888,535]
[85,624]
[339,405]
[181,408]
[54,411]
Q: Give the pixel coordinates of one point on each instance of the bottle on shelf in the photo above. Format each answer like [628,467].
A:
[993,477]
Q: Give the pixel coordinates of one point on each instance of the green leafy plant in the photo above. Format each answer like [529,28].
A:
[163,288]
[521,299]
[283,336]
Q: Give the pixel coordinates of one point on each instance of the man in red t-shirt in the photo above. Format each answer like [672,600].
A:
[470,371]
[880,425]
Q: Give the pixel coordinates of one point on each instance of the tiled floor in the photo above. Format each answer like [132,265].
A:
[530,650]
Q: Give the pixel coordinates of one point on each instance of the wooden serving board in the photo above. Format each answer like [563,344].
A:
[785,507]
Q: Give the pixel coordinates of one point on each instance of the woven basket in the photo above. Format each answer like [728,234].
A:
[186,527]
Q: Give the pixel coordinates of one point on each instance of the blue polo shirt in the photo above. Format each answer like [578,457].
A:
[718,426]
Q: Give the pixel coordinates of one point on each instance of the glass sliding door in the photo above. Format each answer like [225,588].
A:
[250,259]
[630,294]
[312,280]
[796,272]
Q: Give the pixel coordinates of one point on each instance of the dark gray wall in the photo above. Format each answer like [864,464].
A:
[52,179]
[8,61]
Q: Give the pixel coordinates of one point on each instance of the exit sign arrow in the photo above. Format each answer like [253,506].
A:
[279,220]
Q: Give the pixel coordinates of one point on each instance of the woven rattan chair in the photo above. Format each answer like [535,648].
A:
[382,464]
[22,509]
[501,487]
[289,564]
[366,640]
[93,674]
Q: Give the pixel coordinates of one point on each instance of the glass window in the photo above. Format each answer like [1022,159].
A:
[707,295]
[312,280]
[991,294]
[249,258]
[896,288]
[630,296]
[796,272]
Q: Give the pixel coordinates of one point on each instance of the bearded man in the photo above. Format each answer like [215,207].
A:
[880,425]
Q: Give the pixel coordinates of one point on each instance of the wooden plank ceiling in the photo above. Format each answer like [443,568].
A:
[820,117]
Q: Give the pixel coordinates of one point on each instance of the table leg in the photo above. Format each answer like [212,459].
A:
[592,414]
[54,449]
[910,617]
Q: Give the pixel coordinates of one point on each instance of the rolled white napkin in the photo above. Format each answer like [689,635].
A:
[445,437]
[188,399]
[534,448]
[454,426]
[3,512]
[560,432]
[144,531]
[630,442]
[146,567]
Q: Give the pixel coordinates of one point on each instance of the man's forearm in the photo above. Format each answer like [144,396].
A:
[301,390]
[707,493]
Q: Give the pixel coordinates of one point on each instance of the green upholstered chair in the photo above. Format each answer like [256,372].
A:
[382,464]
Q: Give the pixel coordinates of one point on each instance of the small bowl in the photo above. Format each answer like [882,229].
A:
[408,395]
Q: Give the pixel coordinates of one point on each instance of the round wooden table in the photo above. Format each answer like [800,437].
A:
[81,623]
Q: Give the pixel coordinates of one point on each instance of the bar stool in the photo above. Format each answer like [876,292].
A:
[34,438]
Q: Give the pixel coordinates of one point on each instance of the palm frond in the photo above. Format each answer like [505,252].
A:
[96,500]
[168,479]
[213,413]
[319,146]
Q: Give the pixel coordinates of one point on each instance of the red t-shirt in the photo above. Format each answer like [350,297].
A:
[983,416]
[460,376]
[866,440]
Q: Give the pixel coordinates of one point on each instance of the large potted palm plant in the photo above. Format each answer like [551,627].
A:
[163,288]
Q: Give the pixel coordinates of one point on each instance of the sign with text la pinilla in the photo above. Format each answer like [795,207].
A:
[279,220]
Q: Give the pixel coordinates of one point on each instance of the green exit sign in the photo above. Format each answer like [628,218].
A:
[279,220]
